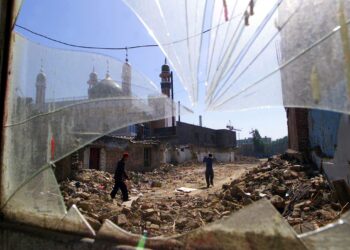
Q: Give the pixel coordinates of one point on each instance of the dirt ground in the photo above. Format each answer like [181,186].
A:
[154,204]
[157,206]
[194,177]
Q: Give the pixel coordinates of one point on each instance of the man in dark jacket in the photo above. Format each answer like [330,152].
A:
[119,177]
[209,172]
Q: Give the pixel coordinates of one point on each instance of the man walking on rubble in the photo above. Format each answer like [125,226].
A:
[209,172]
[119,177]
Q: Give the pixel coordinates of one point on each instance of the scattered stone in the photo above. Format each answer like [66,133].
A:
[305,202]
[156,184]
[93,222]
[300,199]
[154,227]
[126,210]
[122,220]
[85,205]
[277,201]
[181,223]
[166,217]
[148,212]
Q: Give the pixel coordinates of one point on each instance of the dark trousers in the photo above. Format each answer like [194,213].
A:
[123,188]
[209,177]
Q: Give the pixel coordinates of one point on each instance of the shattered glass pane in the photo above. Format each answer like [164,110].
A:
[176,26]
[335,236]
[58,103]
[36,201]
[252,54]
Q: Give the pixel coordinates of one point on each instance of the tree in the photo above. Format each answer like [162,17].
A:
[258,143]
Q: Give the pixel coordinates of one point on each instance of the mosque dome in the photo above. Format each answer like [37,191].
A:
[107,87]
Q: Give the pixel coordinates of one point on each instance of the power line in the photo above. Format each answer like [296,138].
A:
[117,48]
[82,46]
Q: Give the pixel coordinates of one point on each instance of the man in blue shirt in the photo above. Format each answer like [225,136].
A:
[209,172]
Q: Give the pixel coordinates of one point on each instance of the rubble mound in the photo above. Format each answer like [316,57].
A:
[241,159]
[306,203]
[177,212]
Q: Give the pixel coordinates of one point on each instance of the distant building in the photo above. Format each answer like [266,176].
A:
[192,142]
[246,147]
[157,141]
[244,141]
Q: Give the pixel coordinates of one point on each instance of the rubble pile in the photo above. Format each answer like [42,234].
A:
[306,203]
[156,206]
[159,214]
[241,159]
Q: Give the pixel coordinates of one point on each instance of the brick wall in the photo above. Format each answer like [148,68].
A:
[204,137]
[134,163]
[298,130]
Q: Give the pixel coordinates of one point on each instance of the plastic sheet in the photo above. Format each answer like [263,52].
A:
[176,26]
[52,112]
[259,53]
[297,60]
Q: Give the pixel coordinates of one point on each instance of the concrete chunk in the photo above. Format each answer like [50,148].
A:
[259,224]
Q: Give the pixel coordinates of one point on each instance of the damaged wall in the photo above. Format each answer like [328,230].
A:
[341,168]
[110,150]
[323,130]
[193,153]
[298,135]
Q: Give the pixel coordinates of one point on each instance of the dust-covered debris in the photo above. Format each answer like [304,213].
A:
[156,206]
[306,203]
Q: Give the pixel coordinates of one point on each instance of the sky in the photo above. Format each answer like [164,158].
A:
[110,23]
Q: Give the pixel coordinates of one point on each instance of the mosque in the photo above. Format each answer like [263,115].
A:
[107,87]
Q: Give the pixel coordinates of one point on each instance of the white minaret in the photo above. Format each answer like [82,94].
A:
[40,89]
[126,77]
[93,80]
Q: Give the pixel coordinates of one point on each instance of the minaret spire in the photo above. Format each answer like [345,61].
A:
[126,54]
[107,74]
[41,65]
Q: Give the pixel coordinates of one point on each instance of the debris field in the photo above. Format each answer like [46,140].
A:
[156,206]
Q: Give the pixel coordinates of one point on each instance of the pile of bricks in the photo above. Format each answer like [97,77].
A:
[305,202]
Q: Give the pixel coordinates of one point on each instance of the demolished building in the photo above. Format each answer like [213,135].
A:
[155,142]
[33,213]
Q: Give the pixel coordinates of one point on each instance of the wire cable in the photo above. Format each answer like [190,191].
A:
[115,48]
